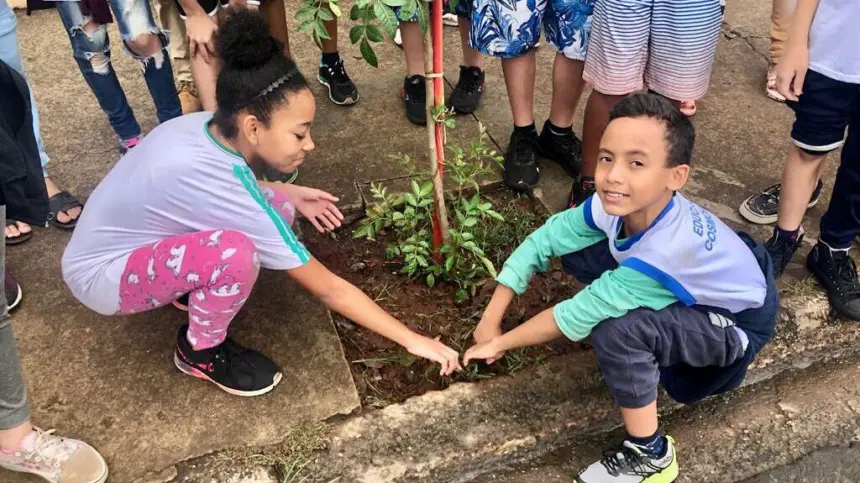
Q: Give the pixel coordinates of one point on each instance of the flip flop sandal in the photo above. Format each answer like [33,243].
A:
[17,240]
[63,202]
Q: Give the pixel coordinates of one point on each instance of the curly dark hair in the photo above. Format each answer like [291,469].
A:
[255,75]
[680,135]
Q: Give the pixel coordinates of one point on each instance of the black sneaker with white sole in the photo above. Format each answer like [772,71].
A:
[521,169]
[762,208]
[469,90]
[341,89]
[782,249]
[415,96]
[233,368]
[838,273]
[565,149]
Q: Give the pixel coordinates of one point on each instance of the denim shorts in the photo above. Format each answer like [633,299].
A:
[511,28]
[823,112]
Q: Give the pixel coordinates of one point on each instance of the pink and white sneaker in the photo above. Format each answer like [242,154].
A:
[56,459]
[770,86]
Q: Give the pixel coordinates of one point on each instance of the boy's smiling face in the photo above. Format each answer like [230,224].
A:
[633,174]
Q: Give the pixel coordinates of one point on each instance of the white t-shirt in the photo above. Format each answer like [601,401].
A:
[834,40]
[178,180]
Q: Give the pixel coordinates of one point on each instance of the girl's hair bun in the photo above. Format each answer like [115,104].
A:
[244,41]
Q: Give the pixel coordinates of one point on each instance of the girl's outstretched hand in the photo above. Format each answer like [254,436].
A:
[488,351]
[434,350]
[317,206]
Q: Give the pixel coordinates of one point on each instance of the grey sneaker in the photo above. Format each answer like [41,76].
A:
[762,208]
[629,463]
[56,459]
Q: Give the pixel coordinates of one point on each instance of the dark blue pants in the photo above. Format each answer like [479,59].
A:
[684,348]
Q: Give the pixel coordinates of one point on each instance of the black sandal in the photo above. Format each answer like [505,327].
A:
[62,202]
[17,240]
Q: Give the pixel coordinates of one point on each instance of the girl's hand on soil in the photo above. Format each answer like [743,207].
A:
[317,206]
[435,351]
[488,329]
[487,351]
[201,36]
[791,71]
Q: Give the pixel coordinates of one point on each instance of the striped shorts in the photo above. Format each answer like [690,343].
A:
[667,46]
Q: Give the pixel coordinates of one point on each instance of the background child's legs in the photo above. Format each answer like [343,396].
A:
[471,57]
[520,83]
[617,56]
[276,16]
[218,268]
[91,50]
[568,28]
[632,349]
[413,47]
[840,226]
[168,16]
[147,43]
[781,14]
[821,115]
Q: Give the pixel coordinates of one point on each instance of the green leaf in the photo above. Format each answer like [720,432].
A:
[470,221]
[307,25]
[410,198]
[394,3]
[416,190]
[473,203]
[374,34]
[386,16]
[489,265]
[356,33]
[431,280]
[495,215]
[368,54]
[449,262]
[426,188]
[334,9]
[320,32]
[325,14]
[397,216]
[355,13]
[306,13]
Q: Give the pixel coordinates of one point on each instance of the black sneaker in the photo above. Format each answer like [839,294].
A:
[14,294]
[233,368]
[838,273]
[781,250]
[564,149]
[521,168]
[762,208]
[341,89]
[469,90]
[581,190]
[415,95]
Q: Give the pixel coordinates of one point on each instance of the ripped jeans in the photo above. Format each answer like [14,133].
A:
[91,50]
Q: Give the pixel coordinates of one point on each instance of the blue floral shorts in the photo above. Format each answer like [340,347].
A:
[510,28]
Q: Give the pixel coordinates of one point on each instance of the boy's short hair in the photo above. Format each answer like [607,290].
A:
[680,135]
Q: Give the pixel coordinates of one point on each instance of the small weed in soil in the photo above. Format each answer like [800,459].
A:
[384,372]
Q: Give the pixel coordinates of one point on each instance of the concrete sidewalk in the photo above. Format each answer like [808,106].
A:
[111,381]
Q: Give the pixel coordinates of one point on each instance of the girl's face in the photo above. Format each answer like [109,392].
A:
[282,144]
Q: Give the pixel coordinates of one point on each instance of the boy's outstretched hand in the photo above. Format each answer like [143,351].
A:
[434,350]
[488,351]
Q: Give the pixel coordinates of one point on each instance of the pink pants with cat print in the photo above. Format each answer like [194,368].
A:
[217,268]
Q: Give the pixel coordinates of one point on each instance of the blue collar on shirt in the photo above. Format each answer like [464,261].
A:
[626,243]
